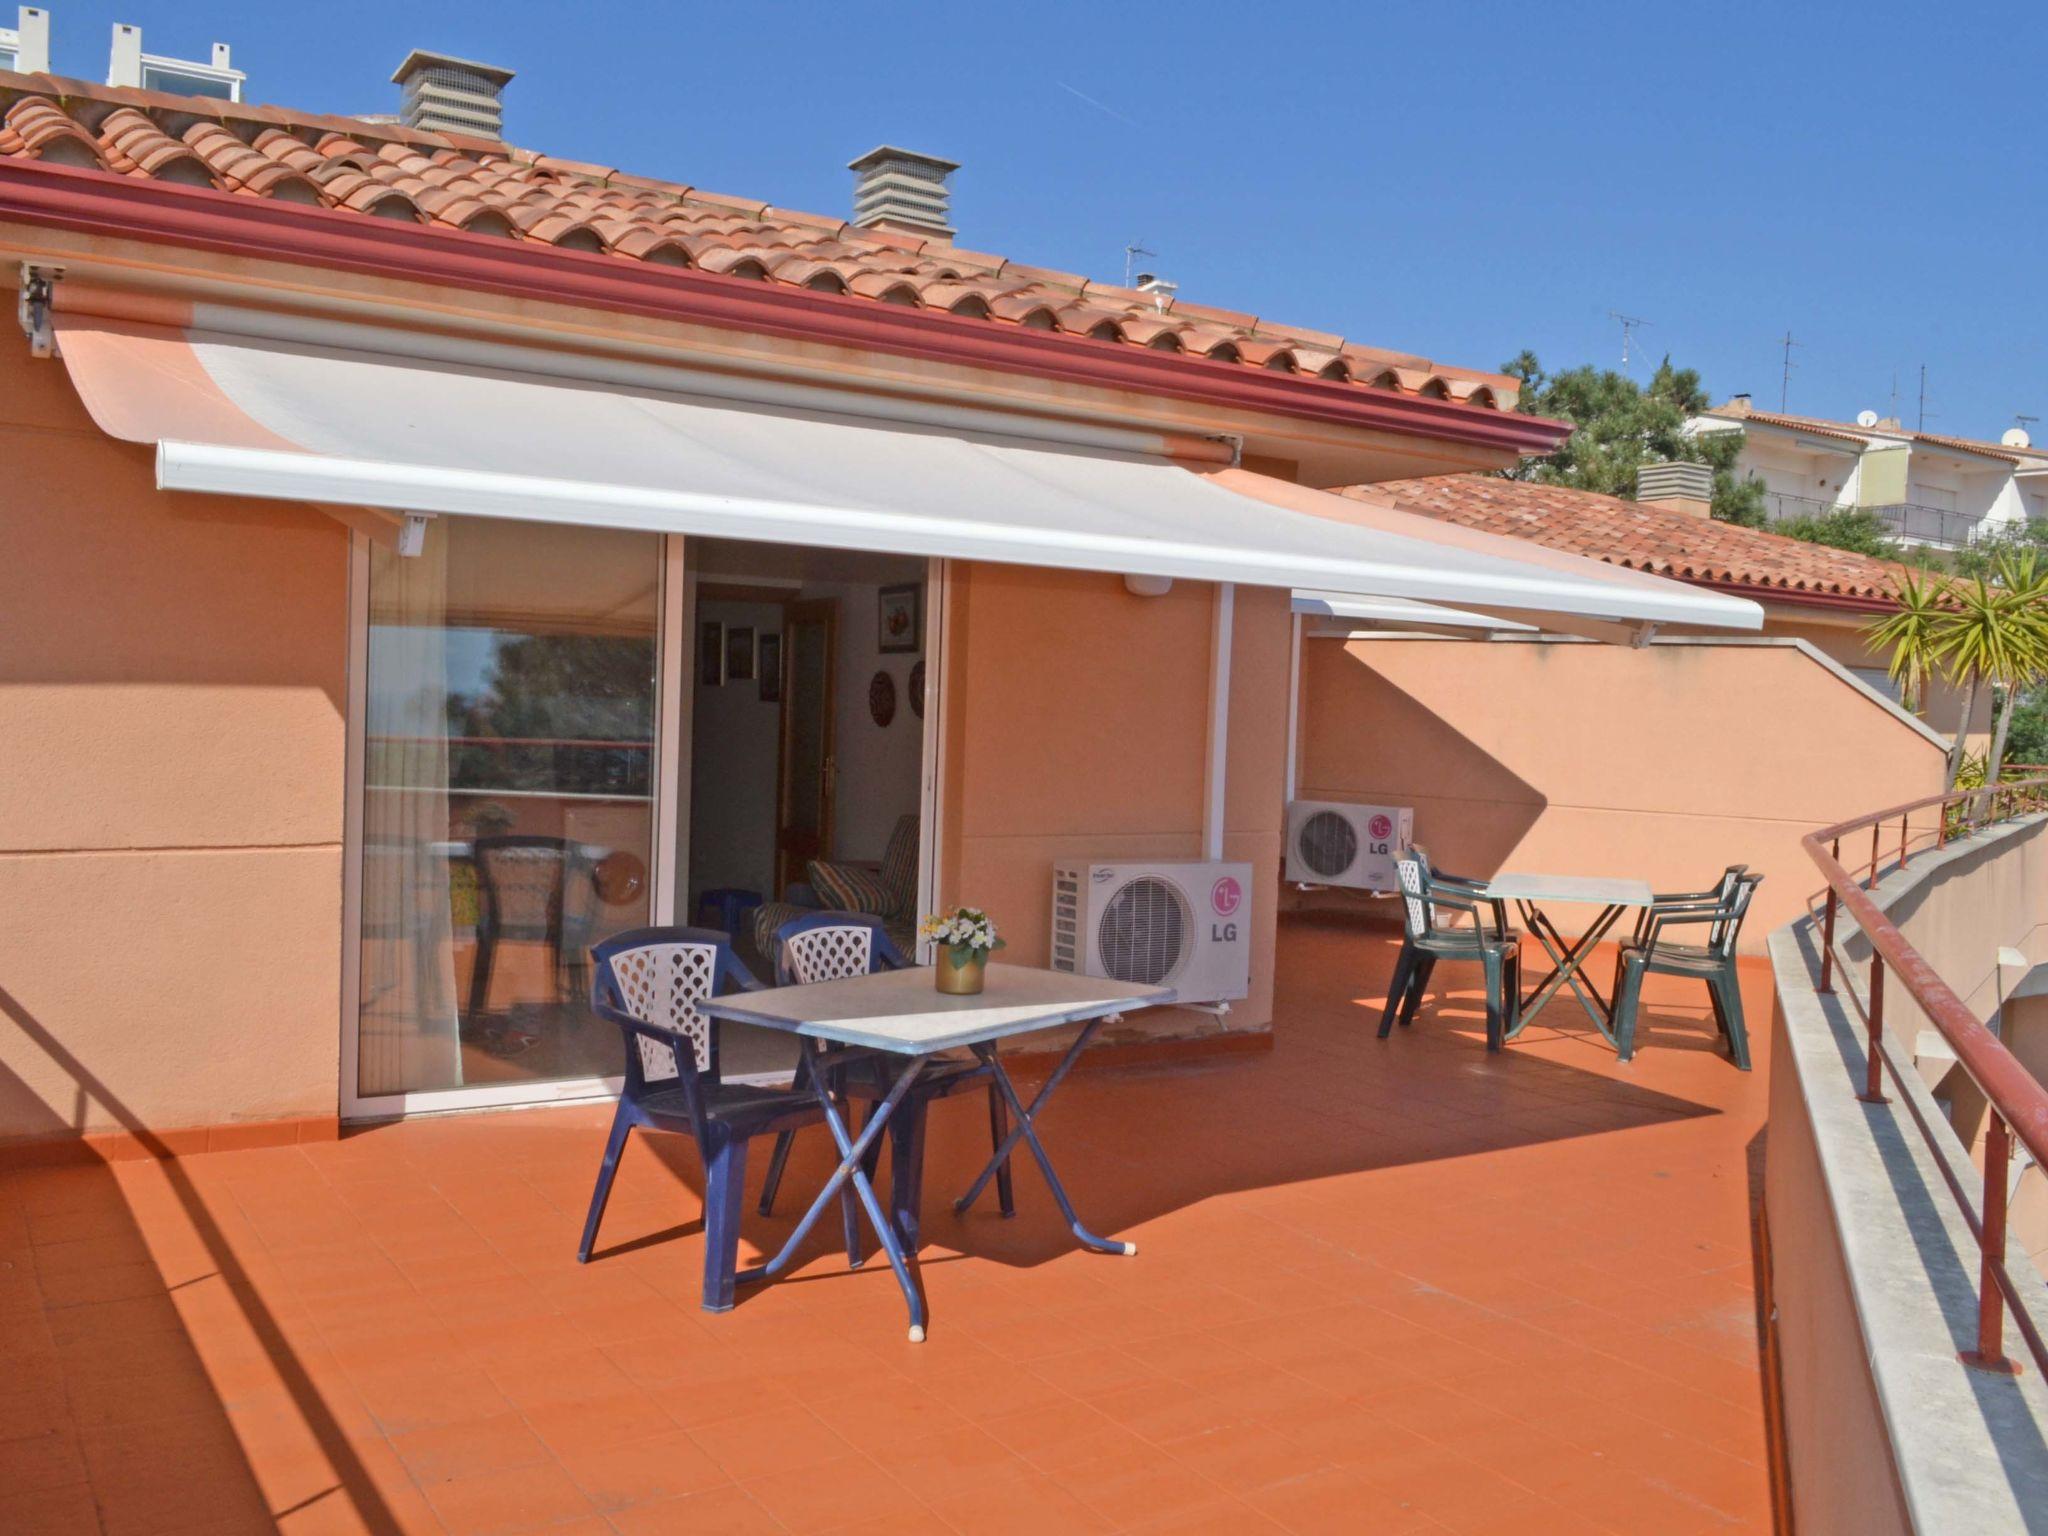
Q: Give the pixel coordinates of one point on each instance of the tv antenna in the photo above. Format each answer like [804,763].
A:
[1921,424]
[1131,254]
[1630,324]
[1785,379]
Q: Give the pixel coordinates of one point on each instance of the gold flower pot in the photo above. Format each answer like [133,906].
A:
[961,978]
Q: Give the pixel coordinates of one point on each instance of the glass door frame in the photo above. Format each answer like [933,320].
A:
[669,861]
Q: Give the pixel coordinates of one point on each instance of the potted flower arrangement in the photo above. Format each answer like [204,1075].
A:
[965,938]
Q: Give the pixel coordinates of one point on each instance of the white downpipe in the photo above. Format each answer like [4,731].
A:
[1215,773]
[1293,706]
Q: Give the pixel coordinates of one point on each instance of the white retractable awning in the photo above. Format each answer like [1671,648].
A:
[431,431]
[1401,612]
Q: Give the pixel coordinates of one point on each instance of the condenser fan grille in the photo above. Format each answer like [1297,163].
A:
[1145,931]
[1327,843]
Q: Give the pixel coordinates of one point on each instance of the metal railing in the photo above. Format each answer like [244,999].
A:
[2017,1104]
[1906,519]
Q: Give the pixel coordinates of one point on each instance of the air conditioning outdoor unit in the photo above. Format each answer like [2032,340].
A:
[1181,923]
[1333,843]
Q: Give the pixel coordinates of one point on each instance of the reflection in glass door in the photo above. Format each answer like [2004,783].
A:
[509,704]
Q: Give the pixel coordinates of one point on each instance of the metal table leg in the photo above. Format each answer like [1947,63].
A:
[1026,1130]
[1568,960]
[850,1169]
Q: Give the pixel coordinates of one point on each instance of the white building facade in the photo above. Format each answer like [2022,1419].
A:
[1942,491]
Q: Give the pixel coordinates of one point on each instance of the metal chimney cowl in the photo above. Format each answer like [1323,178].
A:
[1677,486]
[902,190]
[446,94]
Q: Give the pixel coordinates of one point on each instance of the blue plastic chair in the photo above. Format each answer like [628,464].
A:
[824,946]
[649,981]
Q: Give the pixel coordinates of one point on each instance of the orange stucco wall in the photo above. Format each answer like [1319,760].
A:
[1667,763]
[1078,716]
[171,742]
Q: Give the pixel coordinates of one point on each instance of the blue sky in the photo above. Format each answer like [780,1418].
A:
[1460,180]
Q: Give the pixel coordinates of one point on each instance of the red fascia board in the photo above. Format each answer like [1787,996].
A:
[1854,602]
[134,208]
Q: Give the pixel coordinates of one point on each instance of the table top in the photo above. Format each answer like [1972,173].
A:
[902,1011]
[1590,889]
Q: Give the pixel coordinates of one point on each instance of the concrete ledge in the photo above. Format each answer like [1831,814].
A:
[1875,1274]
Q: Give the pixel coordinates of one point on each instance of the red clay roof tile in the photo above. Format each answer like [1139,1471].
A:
[1658,540]
[457,181]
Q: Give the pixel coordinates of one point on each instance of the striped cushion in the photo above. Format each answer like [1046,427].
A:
[849,888]
[899,865]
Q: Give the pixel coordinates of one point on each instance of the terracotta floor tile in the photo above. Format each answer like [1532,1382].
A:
[721,1512]
[469,1448]
[765,1442]
[619,1473]
[505,1502]
[1433,1291]
[68,1510]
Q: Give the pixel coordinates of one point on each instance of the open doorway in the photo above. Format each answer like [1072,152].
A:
[806,749]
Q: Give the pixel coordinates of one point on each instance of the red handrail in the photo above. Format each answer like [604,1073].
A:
[2018,1103]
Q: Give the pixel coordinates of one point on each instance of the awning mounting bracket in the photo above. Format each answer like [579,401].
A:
[33,305]
[412,533]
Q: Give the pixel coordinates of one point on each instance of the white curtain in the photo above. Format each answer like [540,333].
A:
[409,1032]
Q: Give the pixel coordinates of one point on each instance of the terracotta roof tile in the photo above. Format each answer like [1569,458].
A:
[1658,540]
[455,181]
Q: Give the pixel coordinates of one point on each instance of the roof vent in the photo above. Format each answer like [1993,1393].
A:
[128,65]
[27,47]
[1160,290]
[1677,487]
[444,94]
[902,190]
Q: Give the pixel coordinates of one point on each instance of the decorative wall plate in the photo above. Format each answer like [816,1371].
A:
[882,698]
[619,877]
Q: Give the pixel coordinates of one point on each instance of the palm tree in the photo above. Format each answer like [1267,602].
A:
[1910,633]
[1985,633]
[2025,581]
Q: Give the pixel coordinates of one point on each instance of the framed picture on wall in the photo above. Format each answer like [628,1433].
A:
[900,619]
[771,669]
[710,653]
[739,654]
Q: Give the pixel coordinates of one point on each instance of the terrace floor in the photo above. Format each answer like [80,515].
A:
[1382,1288]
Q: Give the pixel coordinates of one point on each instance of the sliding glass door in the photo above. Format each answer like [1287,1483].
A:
[509,703]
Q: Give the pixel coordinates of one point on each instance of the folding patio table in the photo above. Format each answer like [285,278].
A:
[1613,897]
[902,1015]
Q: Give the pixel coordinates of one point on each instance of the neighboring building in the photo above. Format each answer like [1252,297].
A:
[1928,488]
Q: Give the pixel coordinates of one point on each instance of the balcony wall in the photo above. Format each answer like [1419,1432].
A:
[1872,1265]
[1667,763]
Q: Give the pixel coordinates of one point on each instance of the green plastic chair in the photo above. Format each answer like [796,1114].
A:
[1664,901]
[1712,962]
[1497,948]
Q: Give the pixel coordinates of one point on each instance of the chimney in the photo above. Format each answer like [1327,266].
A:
[444,94]
[27,47]
[1677,487]
[127,64]
[1738,405]
[902,190]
